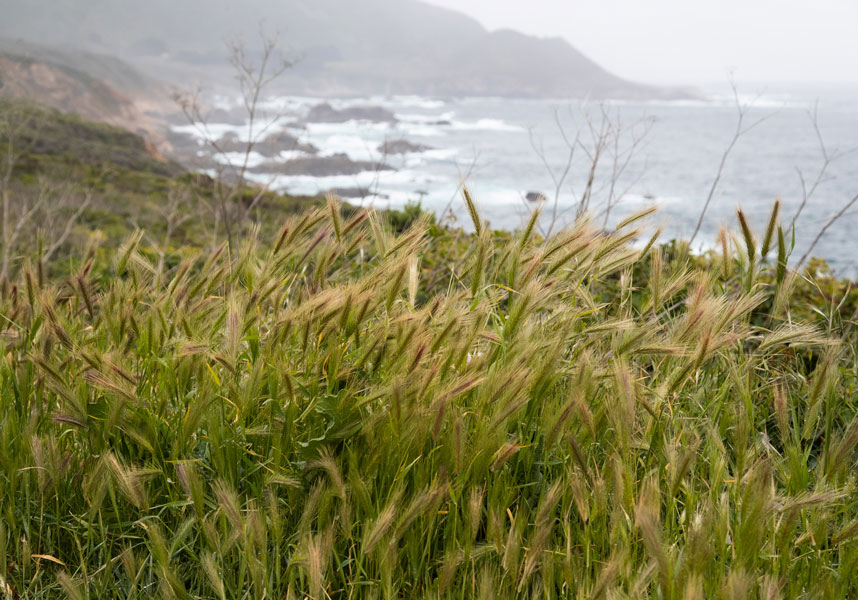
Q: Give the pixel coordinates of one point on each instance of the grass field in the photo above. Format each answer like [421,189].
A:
[343,410]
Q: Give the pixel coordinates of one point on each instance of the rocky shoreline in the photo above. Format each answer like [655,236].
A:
[284,152]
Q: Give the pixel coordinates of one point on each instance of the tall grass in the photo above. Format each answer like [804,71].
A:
[348,412]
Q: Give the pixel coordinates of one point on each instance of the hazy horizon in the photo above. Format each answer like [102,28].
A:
[684,43]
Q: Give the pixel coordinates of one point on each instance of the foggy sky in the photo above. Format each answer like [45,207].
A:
[694,41]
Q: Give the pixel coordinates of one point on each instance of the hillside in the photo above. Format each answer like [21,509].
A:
[51,137]
[343,48]
[60,159]
[124,78]
[97,87]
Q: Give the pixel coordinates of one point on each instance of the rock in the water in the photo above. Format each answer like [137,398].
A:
[282,141]
[401,147]
[271,146]
[325,113]
[321,166]
[356,192]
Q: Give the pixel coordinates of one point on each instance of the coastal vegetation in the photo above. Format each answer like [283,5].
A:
[333,402]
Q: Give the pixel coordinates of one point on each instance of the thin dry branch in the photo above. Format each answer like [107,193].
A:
[828,158]
[825,228]
[558,178]
[253,80]
[741,130]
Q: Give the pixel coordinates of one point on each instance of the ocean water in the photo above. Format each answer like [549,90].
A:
[658,153]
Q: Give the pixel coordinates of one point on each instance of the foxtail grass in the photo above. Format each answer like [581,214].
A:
[348,412]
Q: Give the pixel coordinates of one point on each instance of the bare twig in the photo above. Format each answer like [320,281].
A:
[621,157]
[599,137]
[70,222]
[464,175]
[825,228]
[27,213]
[253,80]
[559,178]
[828,158]
[741,130]
[607,137]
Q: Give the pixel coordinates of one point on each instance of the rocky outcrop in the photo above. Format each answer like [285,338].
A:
[356,193]
[392,147]
[535,197]
[321,166]
[325,113]
[271,146]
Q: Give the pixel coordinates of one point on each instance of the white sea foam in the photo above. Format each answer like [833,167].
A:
[353,127]
[486,125]
[355,147]
[413,161]
[403,180]
[293,154]
[215,131]
[421,118]
[236,159]
[291,104]
[491,196]
[440,154]
[421,130]
[418,102]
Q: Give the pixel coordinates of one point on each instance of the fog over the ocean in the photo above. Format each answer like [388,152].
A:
[682,42]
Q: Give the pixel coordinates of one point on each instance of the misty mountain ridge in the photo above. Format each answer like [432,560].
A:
[341,48]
